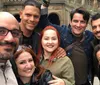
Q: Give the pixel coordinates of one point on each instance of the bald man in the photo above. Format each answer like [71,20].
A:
[9,41]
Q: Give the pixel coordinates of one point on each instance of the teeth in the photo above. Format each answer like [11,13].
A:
[50,46]
[28,71]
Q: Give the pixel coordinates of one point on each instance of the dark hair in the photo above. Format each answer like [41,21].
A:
[39,69]
[81,10]
[32,3]
[96,63]
[95,17]
[96,49]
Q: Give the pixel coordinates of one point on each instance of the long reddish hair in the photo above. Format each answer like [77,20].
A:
[40,50]
[39,69]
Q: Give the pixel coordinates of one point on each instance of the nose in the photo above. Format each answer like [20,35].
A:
[50,41]
[98,28]
[78,24]
[32,18]
[9,37]
[28,65]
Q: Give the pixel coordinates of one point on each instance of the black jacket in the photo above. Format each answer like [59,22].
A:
[33,41]
[45,77]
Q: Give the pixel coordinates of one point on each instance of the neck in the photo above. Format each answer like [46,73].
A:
[46,55]
[77,35]
[26,32]
[25,79]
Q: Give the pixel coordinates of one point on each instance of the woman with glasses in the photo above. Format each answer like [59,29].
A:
[61,68]
[27,69]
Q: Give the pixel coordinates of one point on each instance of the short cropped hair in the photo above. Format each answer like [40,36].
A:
[95,17]
[32,3]
[83,11]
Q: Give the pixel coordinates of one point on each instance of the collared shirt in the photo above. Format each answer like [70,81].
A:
[7,76]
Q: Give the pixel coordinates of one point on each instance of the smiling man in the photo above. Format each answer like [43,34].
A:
[95,23]
[9,41]
[76,40]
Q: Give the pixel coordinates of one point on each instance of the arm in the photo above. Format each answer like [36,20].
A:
[66,75]
[44,15]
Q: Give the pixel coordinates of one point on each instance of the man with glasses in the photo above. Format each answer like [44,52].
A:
[9,40]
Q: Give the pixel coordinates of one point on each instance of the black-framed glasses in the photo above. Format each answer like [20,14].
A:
[15,32]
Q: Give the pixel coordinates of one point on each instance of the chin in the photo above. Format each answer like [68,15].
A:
[28,75]
[98,37]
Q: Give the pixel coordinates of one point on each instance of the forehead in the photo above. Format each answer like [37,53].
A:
[98,52]
[31,8]
[9,23]
[78,16]
[96,22]
[24,55]
[50,32]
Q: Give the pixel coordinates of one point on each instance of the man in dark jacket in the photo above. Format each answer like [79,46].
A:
[76,40]
[95,23]
[30,17]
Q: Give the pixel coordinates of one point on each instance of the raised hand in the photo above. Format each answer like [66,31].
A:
[46,3]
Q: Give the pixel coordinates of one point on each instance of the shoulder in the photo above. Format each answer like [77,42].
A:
[89,35]
[64,61]
[65,58]
[60,28]
[35,35]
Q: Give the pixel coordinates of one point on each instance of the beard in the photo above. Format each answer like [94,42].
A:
[6,55]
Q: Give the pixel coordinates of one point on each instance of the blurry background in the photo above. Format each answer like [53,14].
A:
[58,11]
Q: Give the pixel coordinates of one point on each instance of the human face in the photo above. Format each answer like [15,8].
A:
[96,28]
[98,56]
[30,16]
[78,24]
[49,41]
[25,65]
[8,43]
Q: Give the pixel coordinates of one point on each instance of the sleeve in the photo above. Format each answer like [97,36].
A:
[43,19]
[46,77]
[68,73]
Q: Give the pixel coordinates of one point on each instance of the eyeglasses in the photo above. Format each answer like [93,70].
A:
[15,33]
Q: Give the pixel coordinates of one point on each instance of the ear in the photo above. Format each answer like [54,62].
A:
[20,13]
[70,22]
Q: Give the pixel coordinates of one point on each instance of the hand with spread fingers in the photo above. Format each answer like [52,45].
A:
[56,81]
[60,52]
[46,3]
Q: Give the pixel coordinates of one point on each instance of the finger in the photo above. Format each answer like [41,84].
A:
[52,82]
[55,78]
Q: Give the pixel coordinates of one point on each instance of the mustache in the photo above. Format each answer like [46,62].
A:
[97,32]
[8,43]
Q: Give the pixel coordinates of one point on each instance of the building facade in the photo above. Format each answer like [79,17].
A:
[58,11]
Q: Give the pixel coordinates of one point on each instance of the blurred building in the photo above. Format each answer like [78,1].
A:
[59,10]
